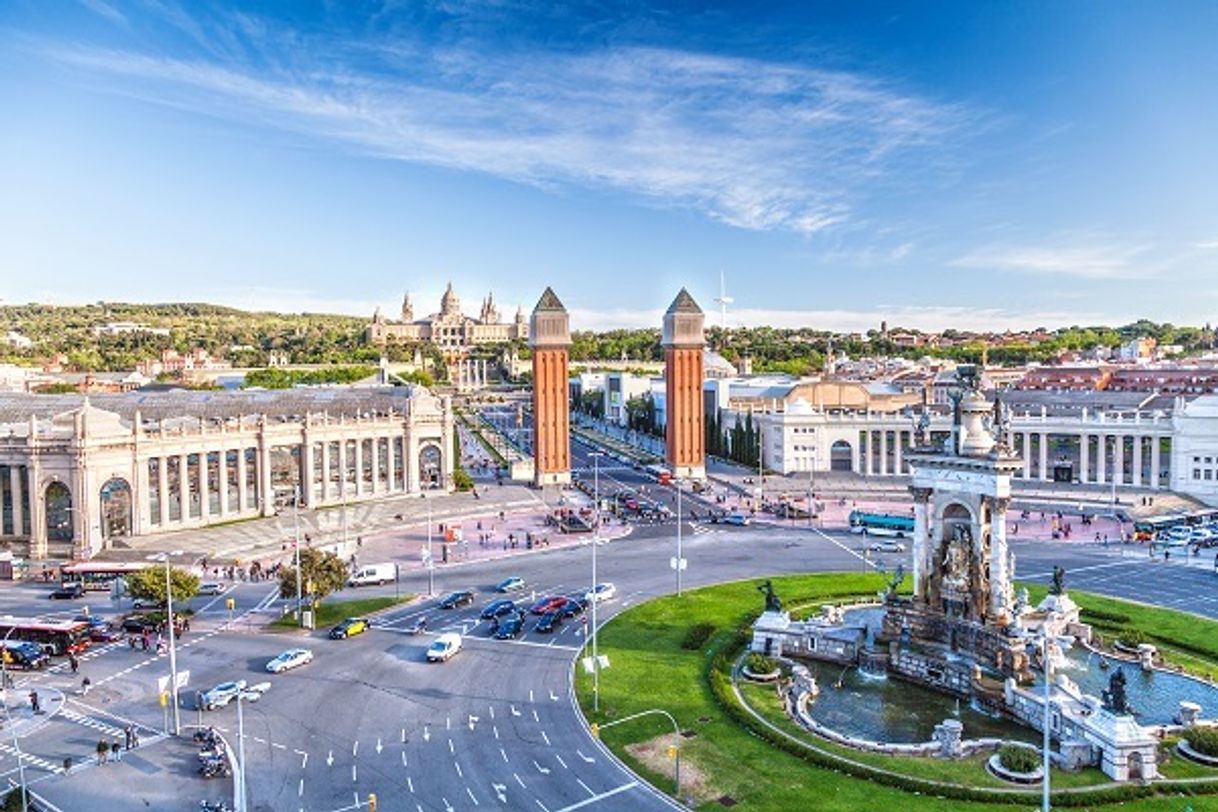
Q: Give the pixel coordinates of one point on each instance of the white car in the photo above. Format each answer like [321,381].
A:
[289,659]
[221,695]
[602,592]
[255,691]
[887,547]
[444,647]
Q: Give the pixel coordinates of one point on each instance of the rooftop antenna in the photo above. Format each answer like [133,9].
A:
[723,301]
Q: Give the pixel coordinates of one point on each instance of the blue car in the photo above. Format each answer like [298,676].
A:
[497,609]
[512,584]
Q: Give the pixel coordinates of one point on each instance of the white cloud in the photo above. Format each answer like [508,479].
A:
[1208,245]
[104,9]
[1087,260]
[755,144]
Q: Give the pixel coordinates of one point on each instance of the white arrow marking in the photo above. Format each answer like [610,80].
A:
[378,745]
[535,717]
[452,751]
[473,720]
[304,760]
[553,696]
[514,711]
[588,759]
[500,790]
[447,806]
[541,769]
[330,759]
[355,749]
[426,733]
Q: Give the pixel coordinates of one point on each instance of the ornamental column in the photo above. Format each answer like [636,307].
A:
[14,483]
[308,460]
[1137,461]
[325,471]
[898,463]
[1155,443]
[376,464]
[222,475]
[884,452]
[550,340]
[359,466]
[243,501]
[1044,456]
[162,484]
[1118,459]
[921,541]
[1000,577]
[265,494]
[684,340]
[183,488]
[204,485]
[1027,455]
[870,452]
[1084,459]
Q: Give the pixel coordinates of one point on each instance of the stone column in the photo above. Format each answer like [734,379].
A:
[14,482]
[1044,456]
[376,464]
[868,460]
[898,461]
[1084,459]
[141,503]
[308,460]
[1118,459]
[359,466]
[325,471]
[1027,455]
[1000,579]
[222,475]
[883,452]
[242,475]
[1136,481]
[265,495]
[204,486]
[683,340]
[184,487]
[162,489]
[392,474]
[38,513]
[550,340]
[921,540]
[1155,442]
[856,454]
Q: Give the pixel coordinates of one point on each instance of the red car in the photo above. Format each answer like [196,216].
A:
[548,605]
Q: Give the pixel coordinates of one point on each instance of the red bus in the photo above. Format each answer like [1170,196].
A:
[97,577]
[56,637]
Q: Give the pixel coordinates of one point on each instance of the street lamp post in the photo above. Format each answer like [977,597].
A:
[431,562]
[596,531]
[1047,663]
[173,648]
[296,545]
[242,801]
[25,800]
[677,483]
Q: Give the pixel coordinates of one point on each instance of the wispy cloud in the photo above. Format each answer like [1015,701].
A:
[103,9]
[1088,259]
[1208,245]
[754,144]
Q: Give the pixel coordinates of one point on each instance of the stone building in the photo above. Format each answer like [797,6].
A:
[450,330]
[77,473]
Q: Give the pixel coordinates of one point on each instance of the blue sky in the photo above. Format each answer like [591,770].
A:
[937,165]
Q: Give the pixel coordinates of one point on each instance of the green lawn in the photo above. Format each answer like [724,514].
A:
[649,669]
[330,613]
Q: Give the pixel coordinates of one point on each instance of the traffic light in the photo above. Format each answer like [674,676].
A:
[596,730]
[230,604]
[672,752]
[371,802]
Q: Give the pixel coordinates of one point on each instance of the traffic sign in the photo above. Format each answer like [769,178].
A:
[672,563]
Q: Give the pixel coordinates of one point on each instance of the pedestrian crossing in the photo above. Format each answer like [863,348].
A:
[91,722]
[28,759]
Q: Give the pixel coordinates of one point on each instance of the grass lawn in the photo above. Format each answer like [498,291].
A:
[649,669]
[330,613]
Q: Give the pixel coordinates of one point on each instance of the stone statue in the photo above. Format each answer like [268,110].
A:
[1002,426]
[969,378]
[894,583]
[923,428]
[772,603]
[1114,698]
[1058,587]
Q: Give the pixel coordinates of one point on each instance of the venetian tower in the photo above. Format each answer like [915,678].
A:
[550,340]
[683,341]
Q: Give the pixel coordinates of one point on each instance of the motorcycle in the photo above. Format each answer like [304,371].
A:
[214,806]
[218,767]
[207,736]
[419,626]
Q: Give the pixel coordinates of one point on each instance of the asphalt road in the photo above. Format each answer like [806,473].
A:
[496,726]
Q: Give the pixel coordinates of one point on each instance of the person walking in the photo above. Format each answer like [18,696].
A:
[116,751]
[73,663]
[102,750]
[85,685]
[34,705]
[129,736]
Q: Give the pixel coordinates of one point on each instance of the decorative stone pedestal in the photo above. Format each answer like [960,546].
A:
[769,631]
[948,734]
[1188,714]
[1129,751]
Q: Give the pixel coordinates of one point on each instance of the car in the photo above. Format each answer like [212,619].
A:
[255,691]
[289,659]
[548,604]
[738,519]
[103,634]
[510,627]
[454,599]
[549,621]
[602,592]
[147,603]
[137,624]
[512,583]
[212,588]
[497,608]
[221,695]
[444,647]
[887,547]
[69,592]
[576,604]
[349,627]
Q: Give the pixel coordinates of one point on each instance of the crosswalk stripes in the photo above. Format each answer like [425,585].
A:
[88,721]
[28,759]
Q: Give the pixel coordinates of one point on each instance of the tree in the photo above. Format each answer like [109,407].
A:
[322,573]
[149,584]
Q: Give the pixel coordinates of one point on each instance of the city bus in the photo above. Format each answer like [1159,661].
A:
[881,524]
[1149,529]
[56,637]
[97,577]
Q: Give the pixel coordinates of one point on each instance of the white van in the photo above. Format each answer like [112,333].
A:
[444,647]
[374,574]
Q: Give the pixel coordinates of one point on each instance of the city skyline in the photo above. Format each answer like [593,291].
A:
[969,167]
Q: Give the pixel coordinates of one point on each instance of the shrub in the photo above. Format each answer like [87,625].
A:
[1131,637]
[1204,740]
[760,664]
[1018,759]
[697,636]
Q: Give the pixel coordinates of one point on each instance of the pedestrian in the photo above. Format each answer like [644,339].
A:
[116,751]
[186,623]
[129,736]
[34,702]
[85,685]
[103,750]
[73,663]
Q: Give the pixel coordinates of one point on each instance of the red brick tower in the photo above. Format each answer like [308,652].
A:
[683,343]
[550,339]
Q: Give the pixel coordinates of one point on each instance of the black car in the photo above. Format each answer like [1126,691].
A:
[550,621]
[497,608]
[509,628]
[454,599]
[137,625]
[576,604]
[68,593]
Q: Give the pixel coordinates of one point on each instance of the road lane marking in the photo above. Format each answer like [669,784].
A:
[519,781]
[471,796]
[560,761]
[503,753]
[459,773]
[541,769]
[580,781]
[598,798]
[545,738]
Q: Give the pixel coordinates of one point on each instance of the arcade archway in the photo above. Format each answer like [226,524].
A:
[115,498]
[57,500]
[431,468]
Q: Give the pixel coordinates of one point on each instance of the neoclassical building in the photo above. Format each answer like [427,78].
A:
[450,329]
[77,473]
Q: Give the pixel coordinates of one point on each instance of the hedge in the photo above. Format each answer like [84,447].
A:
[1204,740]
[1018,759]
[697,636]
